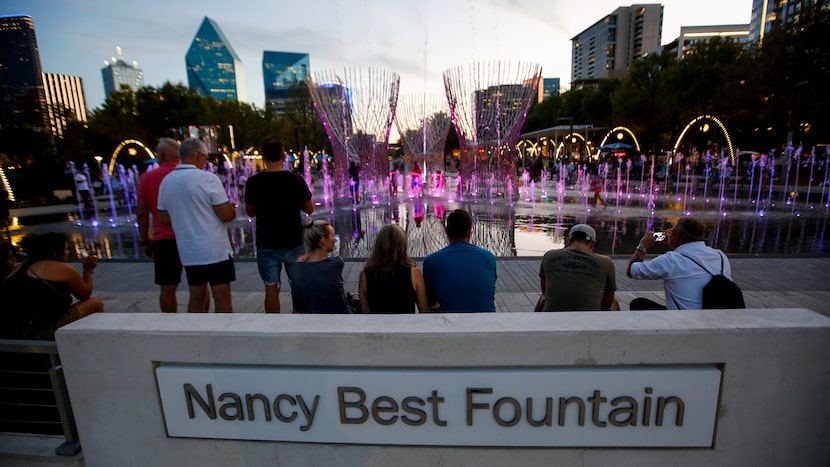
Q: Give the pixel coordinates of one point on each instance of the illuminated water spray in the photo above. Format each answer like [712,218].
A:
[423,121]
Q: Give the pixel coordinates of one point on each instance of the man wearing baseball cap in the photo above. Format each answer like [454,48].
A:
[577,279]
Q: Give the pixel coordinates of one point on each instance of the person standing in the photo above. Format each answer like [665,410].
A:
[276,198]
[596,186]
[417,180]
[577,279]
[683,280]
[162,247]
[82,188]
[461,277]
[194,202]
[354,181]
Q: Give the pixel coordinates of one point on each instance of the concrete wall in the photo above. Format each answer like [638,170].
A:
[773,408]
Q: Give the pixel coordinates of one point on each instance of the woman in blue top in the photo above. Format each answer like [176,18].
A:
[317,279]
[390,281]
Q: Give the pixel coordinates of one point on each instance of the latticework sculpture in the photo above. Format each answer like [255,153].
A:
[489,103]
[423,121]
[357,108]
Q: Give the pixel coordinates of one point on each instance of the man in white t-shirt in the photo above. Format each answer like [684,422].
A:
[82,187]
[194,202]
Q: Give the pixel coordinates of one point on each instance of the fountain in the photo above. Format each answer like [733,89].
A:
[489,103]
[423,122]
[743,221]
[357,107]
[767,203]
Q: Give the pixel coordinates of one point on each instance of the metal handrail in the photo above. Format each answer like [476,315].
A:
[71,445]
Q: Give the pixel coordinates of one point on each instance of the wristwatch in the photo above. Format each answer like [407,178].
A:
[641,248]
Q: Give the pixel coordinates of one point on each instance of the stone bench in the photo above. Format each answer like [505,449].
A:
[715,387]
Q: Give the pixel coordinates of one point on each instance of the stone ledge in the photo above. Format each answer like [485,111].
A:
[22,450]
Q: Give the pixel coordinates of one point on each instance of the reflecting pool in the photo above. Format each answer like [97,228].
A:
[525,228]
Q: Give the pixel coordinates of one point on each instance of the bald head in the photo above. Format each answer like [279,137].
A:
[167,150]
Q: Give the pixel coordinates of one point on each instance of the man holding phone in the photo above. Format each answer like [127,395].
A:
[683,280]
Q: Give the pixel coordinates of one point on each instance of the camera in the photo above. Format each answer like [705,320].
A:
[659,236]
[83,253]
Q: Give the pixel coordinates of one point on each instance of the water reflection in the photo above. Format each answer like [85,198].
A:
[506,231]
[520,231]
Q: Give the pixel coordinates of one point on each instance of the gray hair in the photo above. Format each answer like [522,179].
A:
[314,232]
[190,147]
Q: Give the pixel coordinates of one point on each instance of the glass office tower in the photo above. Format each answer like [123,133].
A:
[22,100]
[282,72]
[213,68]
[119,73]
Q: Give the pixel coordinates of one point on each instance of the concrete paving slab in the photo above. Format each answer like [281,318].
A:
[767,283]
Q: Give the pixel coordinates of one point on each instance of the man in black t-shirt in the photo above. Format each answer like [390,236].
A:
[277,197]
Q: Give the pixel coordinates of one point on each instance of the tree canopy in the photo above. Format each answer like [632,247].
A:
[764,94]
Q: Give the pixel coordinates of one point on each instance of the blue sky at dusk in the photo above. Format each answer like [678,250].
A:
[417,39]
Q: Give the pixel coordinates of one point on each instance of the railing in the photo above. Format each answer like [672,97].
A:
[33,395]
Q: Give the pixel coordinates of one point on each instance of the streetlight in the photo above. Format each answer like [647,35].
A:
[570,134]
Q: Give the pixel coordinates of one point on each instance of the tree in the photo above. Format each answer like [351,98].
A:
[115,121]
[544,114]
[644,102]
[708,79]
[794,65]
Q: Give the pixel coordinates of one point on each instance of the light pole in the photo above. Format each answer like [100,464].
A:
[570,134]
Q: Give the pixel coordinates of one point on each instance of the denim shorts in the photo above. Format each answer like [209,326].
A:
[269,262]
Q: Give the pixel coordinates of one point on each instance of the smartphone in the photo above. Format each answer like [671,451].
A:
[659,236]
[83,253]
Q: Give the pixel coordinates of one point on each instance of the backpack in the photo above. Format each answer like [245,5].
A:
[720,293]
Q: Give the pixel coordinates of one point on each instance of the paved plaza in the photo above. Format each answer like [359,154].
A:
[767,282]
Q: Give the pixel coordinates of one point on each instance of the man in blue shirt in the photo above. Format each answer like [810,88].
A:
[461,278]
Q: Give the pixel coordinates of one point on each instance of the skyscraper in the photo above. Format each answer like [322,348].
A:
[22,101]
[65,100]
[610,46]
[548,87]
[769,14]
[213,68]
[690,36]
[120,73]
[281,72]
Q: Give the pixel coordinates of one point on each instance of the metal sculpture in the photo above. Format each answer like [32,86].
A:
[423,121]
[357,108]
[489,102]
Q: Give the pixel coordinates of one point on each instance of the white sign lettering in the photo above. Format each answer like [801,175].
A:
[579,407]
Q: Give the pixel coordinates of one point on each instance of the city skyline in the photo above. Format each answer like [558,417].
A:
[418,40]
